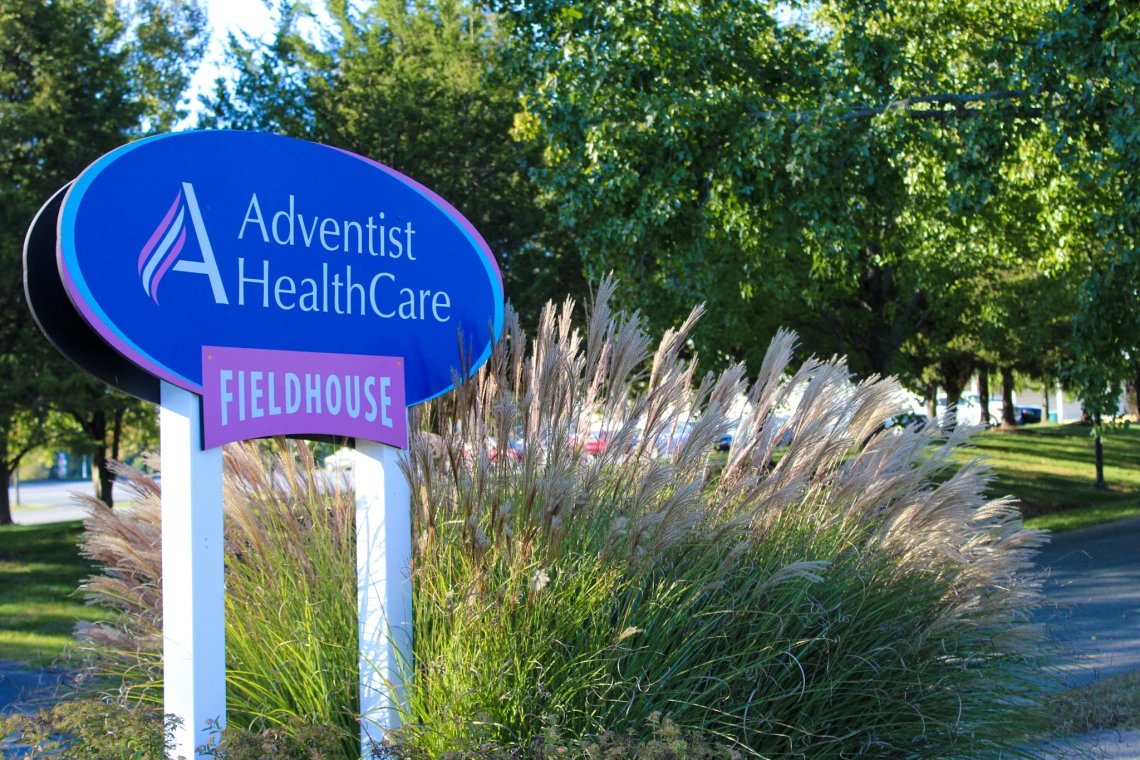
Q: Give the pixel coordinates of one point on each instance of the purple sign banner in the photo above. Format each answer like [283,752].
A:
[258,393]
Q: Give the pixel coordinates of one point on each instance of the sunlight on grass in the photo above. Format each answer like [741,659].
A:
[1050,468]
[40,572]
[33,648]
[1086,517]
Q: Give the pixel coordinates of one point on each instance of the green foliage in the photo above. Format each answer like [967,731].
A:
[923,187]
[77,79]
[418,87]
[663,740]
[1049,469]
[1088,65]
[40,568]
[100,730]
[291,596]
[92,730]
[167,39]
[1084,517]
[299,741]
[291,626]
[63,101]
[839,175]
[92,418]
[1105,704]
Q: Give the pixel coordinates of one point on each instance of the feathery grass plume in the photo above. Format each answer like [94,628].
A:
[290,592]
[583,563]
[833,589]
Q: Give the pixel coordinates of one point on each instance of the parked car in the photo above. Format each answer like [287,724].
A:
[339,462]
[1027,415]
[906,420]
[724,443]
[513,450]
[726,440]
[596,442]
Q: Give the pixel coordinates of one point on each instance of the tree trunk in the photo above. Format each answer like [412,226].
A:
[1136,387]
[931,402]
[1100,484]
[100,475]
[116,434]
[953,397]
[984,394]
[1008,415]
[1045,395]
[5,508]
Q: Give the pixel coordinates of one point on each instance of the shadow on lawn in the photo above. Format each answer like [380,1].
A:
[1051,468]
[40,572]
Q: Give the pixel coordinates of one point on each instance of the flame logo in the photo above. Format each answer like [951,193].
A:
[163,248]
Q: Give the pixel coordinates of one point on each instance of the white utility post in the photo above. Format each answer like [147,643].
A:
[384,586]
[193,565]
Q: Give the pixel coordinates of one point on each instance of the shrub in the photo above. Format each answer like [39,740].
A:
[91,730]
[852,592]
[664,740]
[106,730]
[296,740]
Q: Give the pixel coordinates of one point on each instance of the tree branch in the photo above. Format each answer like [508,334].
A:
[14,462]
[905,105]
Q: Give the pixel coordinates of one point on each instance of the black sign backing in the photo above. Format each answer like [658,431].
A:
[58,318]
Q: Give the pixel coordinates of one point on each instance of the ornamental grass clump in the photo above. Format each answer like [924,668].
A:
[585,565]
[584,562]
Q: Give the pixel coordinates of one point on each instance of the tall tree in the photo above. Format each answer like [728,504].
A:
[1087,68]
[165,41]
[64,98]
[417,86]
[77,79]
[781,171]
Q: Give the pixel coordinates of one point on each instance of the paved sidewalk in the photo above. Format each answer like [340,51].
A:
[19,682]
[42,515]
[1110,745]
[1094,579]
[49,493]
[54,500]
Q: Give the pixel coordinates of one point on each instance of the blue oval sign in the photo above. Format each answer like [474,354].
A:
[177,243]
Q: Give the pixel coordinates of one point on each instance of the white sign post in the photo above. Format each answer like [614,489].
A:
[384,586]
[193,573]
[194,664]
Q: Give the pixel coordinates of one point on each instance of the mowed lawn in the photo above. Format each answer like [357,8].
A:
[1051,469]
[40,572]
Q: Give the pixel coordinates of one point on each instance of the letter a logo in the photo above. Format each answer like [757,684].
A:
[161,252]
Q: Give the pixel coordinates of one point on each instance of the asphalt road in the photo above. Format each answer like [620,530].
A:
[1094,581]
[48,501]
